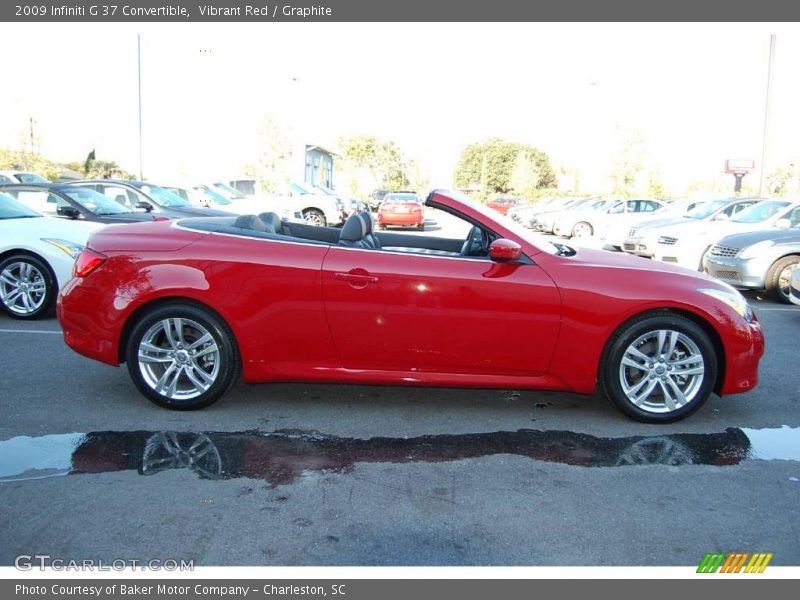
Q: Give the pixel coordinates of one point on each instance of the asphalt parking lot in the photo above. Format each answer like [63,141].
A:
[294,474]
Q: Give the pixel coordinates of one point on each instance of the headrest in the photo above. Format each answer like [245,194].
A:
[367,220]
[353,229]
[252,222]
[271,219]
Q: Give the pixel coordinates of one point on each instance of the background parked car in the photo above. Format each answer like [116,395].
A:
[642,238]
[317,208]
[141,195]
[617,230]
[595,218]
[544,221]
[72,202]
[685,244]
[525,213]
[503,205]
[13,176]
[401,209]
[36,257]
[794,294]
[757,260]
[570,222]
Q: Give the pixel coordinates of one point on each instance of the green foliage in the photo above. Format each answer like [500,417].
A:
[272,168]
[105,169]
[784,180]
[502,167]
[28,161]
[369,163]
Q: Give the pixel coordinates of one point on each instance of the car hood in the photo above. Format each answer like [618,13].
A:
[780,236]
[716,229]
[51,227]
[590,258]
[133,217]
[665,222]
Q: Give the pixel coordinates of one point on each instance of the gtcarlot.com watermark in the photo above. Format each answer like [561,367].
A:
[29,562]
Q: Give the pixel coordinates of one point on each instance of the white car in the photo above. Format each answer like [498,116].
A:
[686,244]
[641,239]
[316,207]
[617,230]
[21,177]
[36,257]
[595,219]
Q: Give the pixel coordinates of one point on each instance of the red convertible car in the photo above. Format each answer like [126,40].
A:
[191,304]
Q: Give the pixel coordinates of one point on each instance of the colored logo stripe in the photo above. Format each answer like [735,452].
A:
[734,562]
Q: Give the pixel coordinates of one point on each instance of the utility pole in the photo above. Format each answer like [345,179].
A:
[139,69]
[767,114]
[30,128]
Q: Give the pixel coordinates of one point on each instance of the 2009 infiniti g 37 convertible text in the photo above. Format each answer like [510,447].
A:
[188,305]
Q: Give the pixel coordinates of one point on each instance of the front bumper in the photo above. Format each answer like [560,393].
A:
[741,273]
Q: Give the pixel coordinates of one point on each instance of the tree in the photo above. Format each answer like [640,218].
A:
[369,163]
[273,164]
[499,166]
[784,180]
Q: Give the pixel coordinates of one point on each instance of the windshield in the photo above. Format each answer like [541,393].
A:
[164,197]
[761,211]
[94,202]
[303,188]
[30,178]
[706,210]
[11,209]
[401,198]
[515,228]
[213,195]
[230,192]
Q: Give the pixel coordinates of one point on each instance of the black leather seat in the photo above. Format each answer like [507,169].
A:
[357,233]
[272,219]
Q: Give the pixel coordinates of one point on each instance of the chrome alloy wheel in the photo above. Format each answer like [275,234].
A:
[662,371]
[785,281]
[178,358]
[23,288]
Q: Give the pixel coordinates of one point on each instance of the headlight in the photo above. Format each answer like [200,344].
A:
[733,299]
[70,248]
[754,250]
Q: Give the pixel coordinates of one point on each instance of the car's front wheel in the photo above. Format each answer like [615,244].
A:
[779,278]
[582,230]
[314,217]
[182,357]
[659,368]
[27,287]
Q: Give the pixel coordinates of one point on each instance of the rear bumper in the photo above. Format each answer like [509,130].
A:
[89,326]
[406,220]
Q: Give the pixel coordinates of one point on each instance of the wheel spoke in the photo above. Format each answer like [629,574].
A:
[204,339]
[11,299]
[686,361]
[680,399]
[204,351]
[166,324]
[632,363]
[191,374]
[166,384]
[7,278]
[645,394]
[153,354]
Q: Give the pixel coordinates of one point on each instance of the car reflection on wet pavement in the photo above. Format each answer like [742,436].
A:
[281,457]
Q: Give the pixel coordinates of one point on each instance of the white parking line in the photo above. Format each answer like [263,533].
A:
[29,331]
[774,309]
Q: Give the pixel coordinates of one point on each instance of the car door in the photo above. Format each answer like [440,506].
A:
[405,311]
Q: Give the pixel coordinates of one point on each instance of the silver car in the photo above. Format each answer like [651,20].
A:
[794,294]
[757,260]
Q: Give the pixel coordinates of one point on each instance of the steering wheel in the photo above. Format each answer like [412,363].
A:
[477,243]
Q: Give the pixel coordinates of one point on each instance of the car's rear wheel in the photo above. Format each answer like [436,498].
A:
[659,368]
[182,357]
[582,229]
[314,217]
[27,287]
[421,226]
[779,278]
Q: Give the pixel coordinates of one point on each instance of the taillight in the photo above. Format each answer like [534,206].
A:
[88,260]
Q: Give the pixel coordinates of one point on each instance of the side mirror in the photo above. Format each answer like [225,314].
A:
[141,204]
[783,223]
[68,211]
[504,250]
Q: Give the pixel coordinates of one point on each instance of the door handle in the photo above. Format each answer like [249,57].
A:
[354,278]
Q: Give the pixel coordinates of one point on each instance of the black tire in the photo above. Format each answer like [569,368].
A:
[773,278]
[36,273]
[691,341]
[221,365]
[421,227]
[315,217]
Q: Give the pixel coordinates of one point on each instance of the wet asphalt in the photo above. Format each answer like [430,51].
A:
[295,474]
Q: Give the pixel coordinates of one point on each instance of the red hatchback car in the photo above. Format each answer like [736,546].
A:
[503,205]
[190,304]
[401,209]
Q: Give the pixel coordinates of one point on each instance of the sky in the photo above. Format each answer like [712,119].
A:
[694,92]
